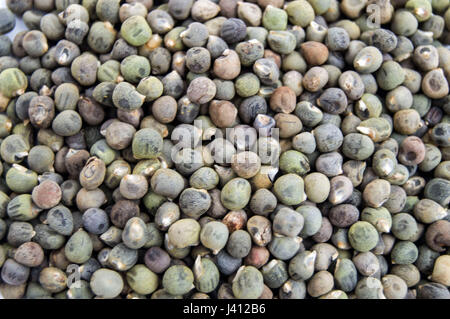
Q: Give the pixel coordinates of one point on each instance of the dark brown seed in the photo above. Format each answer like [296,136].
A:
[75,161]
[325,231]
[216,210]
[433,116]
[437,235]
[122,211]
[258,257]
[157,260]
[91,111]
[343,215]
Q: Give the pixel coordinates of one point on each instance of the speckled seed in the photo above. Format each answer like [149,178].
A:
[78,248]
[345,275]
[201,90]
[328,137]
[236,194]
[289,189]
[248,283]
[404,252]
[394,287]
[288,222]
[29,254]
[363,236]
[214,235]
[178,280]
[194,202]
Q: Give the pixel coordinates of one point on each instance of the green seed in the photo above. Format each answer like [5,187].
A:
[135,30]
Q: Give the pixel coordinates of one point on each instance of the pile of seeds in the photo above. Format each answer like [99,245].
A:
[225,149]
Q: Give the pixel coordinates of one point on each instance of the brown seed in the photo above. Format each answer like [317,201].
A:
[407,121]
[201,90]
[222,113]
[29,254]
[93,173]
[47,194]
[321,283]
[133,117]
[235,220]
[228,8]
[58,259]
[75,161]
[88,199]
[258,257]
[434,84]
[412,151]
[315,79]
[60,162]
[227,66]
[289,124]
[260,229]
[216,210]
[264,178]
[325,231]
[41,111]
[266,294]
[122,211]
[343,215]
[164,109]
[119,135]
[377,192]
[246,164]
[283,100]
[437,235]
[91,111]
[315,53]
[269,54]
